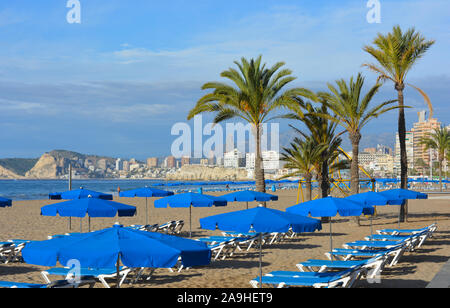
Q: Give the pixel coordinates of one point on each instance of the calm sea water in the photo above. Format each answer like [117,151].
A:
[39,189]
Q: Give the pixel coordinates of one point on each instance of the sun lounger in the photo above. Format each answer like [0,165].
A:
[392,255]
[220,247]
[10,251]
[431,229]
[413,241]
[372,267]
[343,279]
[100,274]
[63,284]
[368,245]
[241,242]
[171,227]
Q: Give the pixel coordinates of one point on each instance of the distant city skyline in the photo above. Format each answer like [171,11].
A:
[115,83]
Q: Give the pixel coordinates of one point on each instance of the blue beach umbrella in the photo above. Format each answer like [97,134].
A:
[146,192]
[79,194]
[261,220]
[249,196]
[5,202]
[331,207]
[109,247]
[399,197]
[189,200]
[91,207]
[370,198]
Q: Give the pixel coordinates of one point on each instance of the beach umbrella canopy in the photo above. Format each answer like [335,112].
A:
[5,202]
[249,196]
[91,207]
[189,200]
[330,207]
[106,248]
[79,194]
[260,220]
[369,198]
[398,196]
[146,192]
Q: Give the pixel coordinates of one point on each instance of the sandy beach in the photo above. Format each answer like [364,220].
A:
[415,270]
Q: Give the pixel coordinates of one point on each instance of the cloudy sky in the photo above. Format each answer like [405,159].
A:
[117,82]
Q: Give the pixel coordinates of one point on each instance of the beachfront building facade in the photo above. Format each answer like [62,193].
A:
[152,162]
[409,152]
[271,161]
[423,129]
[233,159]
[170,162]
[380,164]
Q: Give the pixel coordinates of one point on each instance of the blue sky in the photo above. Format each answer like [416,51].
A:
[116,83]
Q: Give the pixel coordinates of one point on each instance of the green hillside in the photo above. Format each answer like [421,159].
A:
[18,165]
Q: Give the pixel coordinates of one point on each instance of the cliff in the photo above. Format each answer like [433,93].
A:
[55,164]
[45,168]
[204,173]
[6,174]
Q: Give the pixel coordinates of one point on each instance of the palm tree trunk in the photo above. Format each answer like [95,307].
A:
[308,180]
[259,170]
[325,183]
[403,153]
[440,173]
[355,138]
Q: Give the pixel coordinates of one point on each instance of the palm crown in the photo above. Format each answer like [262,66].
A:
[350,107]
[257,93]
[396,54]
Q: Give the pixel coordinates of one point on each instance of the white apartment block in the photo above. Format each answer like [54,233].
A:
[271,161]
[233,159]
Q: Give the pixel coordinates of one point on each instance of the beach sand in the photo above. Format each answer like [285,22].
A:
[415,270]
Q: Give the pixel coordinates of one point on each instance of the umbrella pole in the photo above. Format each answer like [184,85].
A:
[81,226]
[146,212]
[190,221]
[247,205]
[260,260]
[118,271]
[331,238]
[89,224]
[70,223]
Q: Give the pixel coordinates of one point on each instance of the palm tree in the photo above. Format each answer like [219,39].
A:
[439,140]
[303,156]
[396,54]
[322,131]
[257,96]
[352,112]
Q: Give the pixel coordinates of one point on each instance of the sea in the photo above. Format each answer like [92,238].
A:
[40,189]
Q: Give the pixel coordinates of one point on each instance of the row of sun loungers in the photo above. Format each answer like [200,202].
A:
[171,227]
[357,259]
[227,245]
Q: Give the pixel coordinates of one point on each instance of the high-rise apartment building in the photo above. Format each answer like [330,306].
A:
[421,130]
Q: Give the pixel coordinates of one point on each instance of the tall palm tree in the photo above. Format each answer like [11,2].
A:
[302,156]
[352,111]
[257,95]
[439,140]
[396,54]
